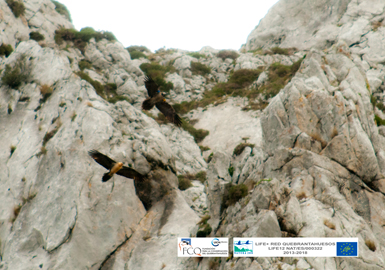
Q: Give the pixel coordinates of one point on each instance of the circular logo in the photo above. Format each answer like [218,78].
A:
[215,242]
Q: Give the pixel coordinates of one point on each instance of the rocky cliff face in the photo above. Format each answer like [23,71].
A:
[298,141]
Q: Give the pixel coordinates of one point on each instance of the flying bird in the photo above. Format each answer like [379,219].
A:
[156,98]
[114,167]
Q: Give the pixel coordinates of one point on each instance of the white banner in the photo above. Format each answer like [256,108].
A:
[295,247]
[203,247]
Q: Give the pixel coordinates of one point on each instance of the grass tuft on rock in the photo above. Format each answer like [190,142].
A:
[138,48]
[15,76]
[80,38]
[224,54]
[62,9]
[84,64]
[36,36]
[200,69]
[379,121]
[137,55]
[204,228]
[5,49]
[196,55]
[106,91]
[232,194]
[17,7]
[240,147]
[184,181]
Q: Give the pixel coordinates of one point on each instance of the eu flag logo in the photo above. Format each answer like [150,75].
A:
[349,249]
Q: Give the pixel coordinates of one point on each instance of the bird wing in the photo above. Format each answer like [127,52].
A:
[169,112]
[103,160]
[130,173]
[151,86]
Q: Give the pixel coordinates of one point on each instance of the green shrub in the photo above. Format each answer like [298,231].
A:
[36,36]
[379,121]
[224,54]
[62,9]
[137,48]
[158,73]
[240,147]
[199,69]
[97,85]
[232,194]
[184,181]
[204,228]
[196,55]
[137,55]
[17,8]
[81,38]
[5,49]
[14,77]
[279,76]
[278,50]
[198,134]
[118,98]
[201,176]
[231,171]
[83,64]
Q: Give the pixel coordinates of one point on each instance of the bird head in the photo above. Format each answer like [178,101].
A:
[120,164]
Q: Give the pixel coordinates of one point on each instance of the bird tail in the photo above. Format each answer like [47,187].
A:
[147,104]
[106,177]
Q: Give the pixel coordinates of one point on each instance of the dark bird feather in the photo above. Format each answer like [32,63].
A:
[157,99]
[109,163]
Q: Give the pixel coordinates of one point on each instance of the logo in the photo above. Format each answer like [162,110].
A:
[347,249]
[215,242]
[186,241]
[243,247]
[187,249]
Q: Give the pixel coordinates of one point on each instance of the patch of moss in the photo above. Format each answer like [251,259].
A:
[204,228]
[137,55]
[184,182]
[97,85]
[137,48]
[379,121]
[118,98]
[198,134]
[201,176]
[62,9]
[224,54]
[17,7]
[158,73]
[278,50]
[14,77]
[204,148]
[231,171]
[83,64]
[200,69]
[240,147]
[196,55]
[36,36]
[232,194]
[5,49]
[279,76]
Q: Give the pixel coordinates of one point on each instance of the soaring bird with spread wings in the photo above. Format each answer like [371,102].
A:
[114,167]
[157,99]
